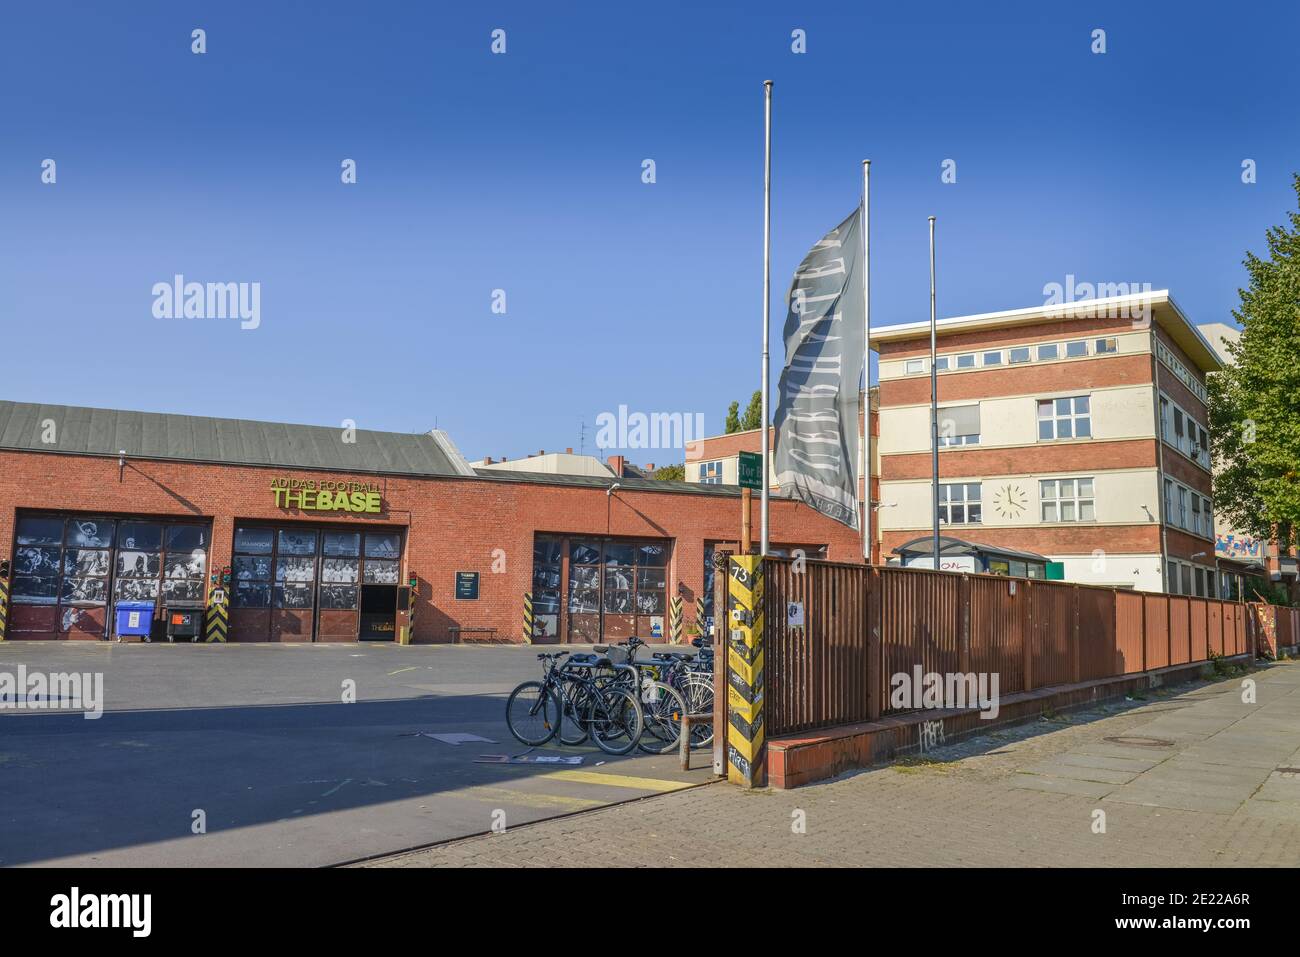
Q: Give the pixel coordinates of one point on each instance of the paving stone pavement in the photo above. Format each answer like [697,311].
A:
[1198,777]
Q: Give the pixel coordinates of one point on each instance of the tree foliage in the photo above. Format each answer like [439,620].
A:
[754,414]
[733,418]
[1255,403]
[671,473]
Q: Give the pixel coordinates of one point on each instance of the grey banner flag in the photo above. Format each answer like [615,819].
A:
[816,454]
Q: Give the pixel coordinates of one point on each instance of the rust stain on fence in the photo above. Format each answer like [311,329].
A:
[838,633]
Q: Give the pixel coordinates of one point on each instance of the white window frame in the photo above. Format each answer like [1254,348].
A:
[1052,492]
[1105,346]
[1083,343]
[1056,417]
[947,502]
[913,366]
[710,472]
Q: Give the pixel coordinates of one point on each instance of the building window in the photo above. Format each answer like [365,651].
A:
[1049,351]
[617,589]
[1171,578]
[993,358]
[959,425]
[1067,500]
[966,361]
[1196,513]
[1182,507]
[959,503]
[711,473]
[1169,501]
[1067,418]
[1207,519]
[913,366]
[941,363]
[1105,346]
[1020,354]
[1187,580]
[1075,350]
[1165,432]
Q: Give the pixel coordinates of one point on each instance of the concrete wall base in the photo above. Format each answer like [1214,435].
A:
[798,759]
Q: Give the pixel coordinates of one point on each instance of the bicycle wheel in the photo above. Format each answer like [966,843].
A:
[697,690]
[533,713]
[615,720]
[573,729]
[663,707]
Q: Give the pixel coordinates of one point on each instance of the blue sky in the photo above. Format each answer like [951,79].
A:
[522,172]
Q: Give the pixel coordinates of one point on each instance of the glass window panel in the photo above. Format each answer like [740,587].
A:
[1082,428]
[251,595]
[183,565]
[1044,408]
[299,568]
[139,536]
[966,361]
[974,512]
[1062,406]
[998,567]
[1067,488]
[941,363]
[89,590]
[583,599]
[383,545]
[584,553]
[186,538]
[344,544]
[993,358]
[1076,349]
[1086,512]
[1045,430]
[1047,489]
[293,595]
[618,577]
[36,560]
[40,531]
[90,532]
[1081,404]
[619,554]
[346,570]
[585,576]
[135,589]
[297,542]
[1085,487]
[973,491]
[182,589]
[915,365]
[548,551]
[1106,345]
[1048,351]
[958,513]
[254,541]
[84,562]
[343,596]
[545,576]
[36,591]
[1019,355]
[380,572]
[1067,511]
[1064,428]
[251,568]
[546,601]
[1049,512]
[651,578]
[1018,569]
[650,602]
[618,602]
[653,554]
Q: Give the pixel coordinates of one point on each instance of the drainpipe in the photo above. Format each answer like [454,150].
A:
[1160,464]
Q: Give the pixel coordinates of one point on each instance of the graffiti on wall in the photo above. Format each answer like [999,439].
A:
[1232,545]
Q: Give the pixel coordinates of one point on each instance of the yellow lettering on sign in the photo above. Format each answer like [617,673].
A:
[358,501]
[372,501]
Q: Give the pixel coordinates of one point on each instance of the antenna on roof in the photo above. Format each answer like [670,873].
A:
[582,436]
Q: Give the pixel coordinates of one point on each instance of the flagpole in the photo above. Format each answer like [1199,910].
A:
[767,307]
[866,361]
[934,405]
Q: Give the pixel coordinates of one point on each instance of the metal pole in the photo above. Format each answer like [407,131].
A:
[934,404]
[767,305]
[866,361]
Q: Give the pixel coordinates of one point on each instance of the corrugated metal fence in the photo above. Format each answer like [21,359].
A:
[860,626]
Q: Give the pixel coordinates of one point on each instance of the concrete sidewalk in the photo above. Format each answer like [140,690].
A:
[1196,777]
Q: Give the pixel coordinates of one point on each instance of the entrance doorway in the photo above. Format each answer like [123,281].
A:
[314,583]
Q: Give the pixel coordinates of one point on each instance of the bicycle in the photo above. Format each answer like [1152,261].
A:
[607,711]
[661,701]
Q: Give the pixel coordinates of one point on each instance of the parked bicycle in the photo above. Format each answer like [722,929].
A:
[577,700]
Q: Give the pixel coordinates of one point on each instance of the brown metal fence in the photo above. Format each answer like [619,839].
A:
[862,625]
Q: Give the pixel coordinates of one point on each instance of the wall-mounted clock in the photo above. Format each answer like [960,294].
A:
[1010,501]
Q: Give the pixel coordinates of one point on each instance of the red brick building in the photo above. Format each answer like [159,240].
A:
[322,529]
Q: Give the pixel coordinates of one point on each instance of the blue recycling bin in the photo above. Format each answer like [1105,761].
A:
[134,618]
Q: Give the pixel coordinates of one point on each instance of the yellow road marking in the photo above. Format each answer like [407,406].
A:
[617,780]
[501,796]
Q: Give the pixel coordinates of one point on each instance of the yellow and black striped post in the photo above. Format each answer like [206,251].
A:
[675,620]
[528,617]
[699,613]
[4,608]
[218,617]
[746,745]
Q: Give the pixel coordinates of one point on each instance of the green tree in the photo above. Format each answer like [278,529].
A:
[754,414]
[671,473]
[733,418]
[1255,402]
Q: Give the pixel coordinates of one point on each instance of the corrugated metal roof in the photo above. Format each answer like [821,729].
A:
[605,481]
[193,438]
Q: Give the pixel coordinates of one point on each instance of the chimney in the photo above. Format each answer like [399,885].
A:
[569,450]
[616,464]
[541,451]
[650,467]
[487,460]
